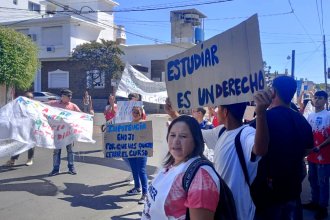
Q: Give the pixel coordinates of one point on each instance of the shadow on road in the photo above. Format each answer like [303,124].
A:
[126,216]
[40,187]
[110,162]
[92,196]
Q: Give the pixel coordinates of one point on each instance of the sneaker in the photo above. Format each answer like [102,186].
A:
[143,199]
[133,191]
[54,173]
[312,206]
[322,213]
[10,163]
[29,162]
[72,171]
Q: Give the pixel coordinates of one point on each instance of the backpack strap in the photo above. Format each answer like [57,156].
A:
[239,150]
[221,131]
[190,174]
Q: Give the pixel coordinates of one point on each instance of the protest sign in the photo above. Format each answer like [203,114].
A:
[124,111]
[132,81]
[128,140]
[249,113]
[225,69]
[25,123]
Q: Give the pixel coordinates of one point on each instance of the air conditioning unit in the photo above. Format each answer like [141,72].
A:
[33,37]
[50,49]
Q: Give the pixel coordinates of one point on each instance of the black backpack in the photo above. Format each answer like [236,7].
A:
[226,209]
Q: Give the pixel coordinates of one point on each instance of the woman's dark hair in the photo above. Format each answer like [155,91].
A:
[108,103]
[196,133]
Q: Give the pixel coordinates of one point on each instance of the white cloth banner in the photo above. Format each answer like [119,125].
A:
[132,81]
[25,123]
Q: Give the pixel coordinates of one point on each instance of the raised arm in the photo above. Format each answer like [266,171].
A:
[261,140]
[169,110]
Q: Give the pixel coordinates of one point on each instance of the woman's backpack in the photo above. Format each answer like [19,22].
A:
[226,209]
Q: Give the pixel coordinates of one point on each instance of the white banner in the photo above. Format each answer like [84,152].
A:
[25,123]
[132,81]
[225,69]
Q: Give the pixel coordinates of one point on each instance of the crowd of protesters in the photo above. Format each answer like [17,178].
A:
[262,162]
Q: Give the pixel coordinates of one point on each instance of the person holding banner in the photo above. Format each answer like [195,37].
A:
[137,97]
[138,165]
[29,162]
[65,103]
[277,187]
[167,198]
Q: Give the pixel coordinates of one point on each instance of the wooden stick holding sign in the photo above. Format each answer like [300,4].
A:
[225,69]
[128,140]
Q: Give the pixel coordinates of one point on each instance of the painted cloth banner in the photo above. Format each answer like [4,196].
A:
[124,111]
[132,81]
[128,140]
[25,123]
[225,69]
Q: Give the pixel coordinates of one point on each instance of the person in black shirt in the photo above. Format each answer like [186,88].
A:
[277,187]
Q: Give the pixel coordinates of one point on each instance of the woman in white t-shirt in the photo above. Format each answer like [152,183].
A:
[166,198]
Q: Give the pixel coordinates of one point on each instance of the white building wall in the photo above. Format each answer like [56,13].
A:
[143,54]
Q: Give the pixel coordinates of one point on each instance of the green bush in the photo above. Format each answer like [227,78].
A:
[18,59]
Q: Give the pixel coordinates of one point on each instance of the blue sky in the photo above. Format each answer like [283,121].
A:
[281,31]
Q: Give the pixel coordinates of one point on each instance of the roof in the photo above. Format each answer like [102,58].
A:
[51,20]
[190,11]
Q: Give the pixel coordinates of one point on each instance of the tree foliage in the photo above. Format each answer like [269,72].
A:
[18,59]
[103,56]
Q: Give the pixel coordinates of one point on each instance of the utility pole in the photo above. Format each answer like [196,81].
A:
[292,63]
[325,64]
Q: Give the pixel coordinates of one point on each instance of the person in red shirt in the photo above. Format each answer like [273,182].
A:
[319,157]
[110,109]
[65,103]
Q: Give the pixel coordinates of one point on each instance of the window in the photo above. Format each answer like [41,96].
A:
[34,7]
[51,36]
[95,79]
[58,79]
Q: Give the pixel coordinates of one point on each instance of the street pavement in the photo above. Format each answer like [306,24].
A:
[96,192]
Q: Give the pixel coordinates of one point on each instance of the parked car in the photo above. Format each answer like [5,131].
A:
[45,96]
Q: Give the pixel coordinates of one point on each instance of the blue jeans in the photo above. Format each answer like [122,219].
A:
[318,176]
[57,158]
[290,210]
[139,170]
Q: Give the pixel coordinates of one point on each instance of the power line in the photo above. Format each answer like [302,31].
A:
[133,9]
[107,25]
[164,7]
[300,23]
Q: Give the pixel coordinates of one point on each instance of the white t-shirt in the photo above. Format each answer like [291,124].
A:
[227,164]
